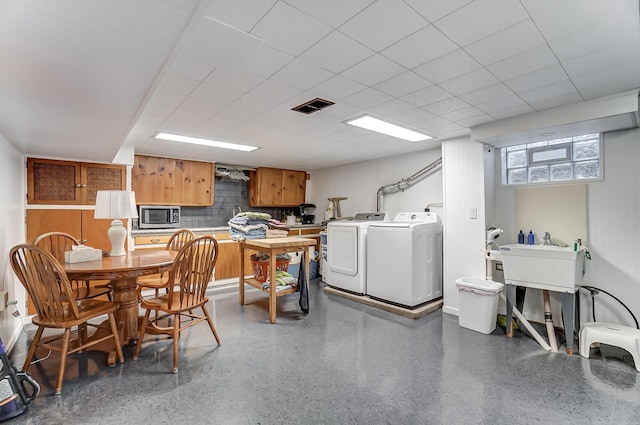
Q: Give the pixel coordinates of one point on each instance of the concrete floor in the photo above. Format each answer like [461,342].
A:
[344,363]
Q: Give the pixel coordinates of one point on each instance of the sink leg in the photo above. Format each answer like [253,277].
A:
[510,291]
[568,316]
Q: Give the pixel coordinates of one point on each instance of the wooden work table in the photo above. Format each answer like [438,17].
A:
[273,246]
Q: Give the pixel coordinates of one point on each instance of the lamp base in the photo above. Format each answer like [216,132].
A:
[117,235]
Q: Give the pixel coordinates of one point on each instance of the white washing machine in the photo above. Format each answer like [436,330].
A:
[346,266]
[404,259]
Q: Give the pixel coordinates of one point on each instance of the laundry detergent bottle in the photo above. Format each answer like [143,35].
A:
[530,238]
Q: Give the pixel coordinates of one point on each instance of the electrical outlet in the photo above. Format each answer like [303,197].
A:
[4,300]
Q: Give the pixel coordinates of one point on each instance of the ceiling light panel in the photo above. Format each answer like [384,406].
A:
[387,128]
[204,142]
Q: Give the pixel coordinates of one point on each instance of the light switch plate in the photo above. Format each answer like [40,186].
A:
[473,212]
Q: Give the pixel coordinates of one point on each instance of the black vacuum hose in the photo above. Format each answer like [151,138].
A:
[593,291]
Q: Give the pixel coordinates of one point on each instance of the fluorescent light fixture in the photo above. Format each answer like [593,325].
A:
[389,129]
[204,142]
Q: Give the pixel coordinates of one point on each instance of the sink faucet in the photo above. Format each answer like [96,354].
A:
[546,240]
[236,208]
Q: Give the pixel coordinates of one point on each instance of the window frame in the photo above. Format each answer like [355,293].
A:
[569,157]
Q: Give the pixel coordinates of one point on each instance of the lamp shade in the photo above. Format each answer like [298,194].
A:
[115,204]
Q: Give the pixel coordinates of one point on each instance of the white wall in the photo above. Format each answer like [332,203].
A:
[612,209]
[464,237]
[12,232]
[613,221]
[360,182]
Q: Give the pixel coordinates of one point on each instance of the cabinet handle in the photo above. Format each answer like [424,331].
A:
[156,240]
[79,185]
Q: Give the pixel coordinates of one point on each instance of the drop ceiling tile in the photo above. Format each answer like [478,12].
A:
[174,83]
[336,52]
[523,63]
[220,94]
[264,61]
[302,74]
[199,105]
[542,77]
[440,126]
[337,87]
[398,18]
[557,19]
[402,84]
[332,12]
[556,100]
[342,111]
[289,30]
[434,10]
[191,68]
[243,15]
[480,19]
[550,91]
[470,81]
[166,98]
[511,41]
[512,101]
[614,79]
[426,96]
[367,98]
[254,104]
[604,35]
[486,94]
[512,111]
[392,107]
[373,70]
[462,114]
[420,47]
[156,110]
[445,106]
[477,120]
[596,61]
[233,78]
[448,66]
[275,91]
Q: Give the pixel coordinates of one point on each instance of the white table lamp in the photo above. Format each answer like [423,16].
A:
[116,205]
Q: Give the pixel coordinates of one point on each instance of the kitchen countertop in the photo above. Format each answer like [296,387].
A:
[209,229]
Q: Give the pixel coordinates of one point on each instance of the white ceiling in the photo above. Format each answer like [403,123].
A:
[80,79]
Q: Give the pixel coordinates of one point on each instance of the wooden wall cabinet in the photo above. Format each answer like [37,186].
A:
[274,187]
[167,181]
[70,183]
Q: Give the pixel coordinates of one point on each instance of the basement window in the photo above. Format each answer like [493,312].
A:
[566,160]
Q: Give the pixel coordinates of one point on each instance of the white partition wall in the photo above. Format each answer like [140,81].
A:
[464,196]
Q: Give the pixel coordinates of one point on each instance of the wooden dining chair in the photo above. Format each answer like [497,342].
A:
[175,243]
[191,272]
[48,286]
[56,244]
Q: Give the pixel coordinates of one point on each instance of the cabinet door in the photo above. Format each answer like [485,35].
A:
[43,221]
[101,177]
[228,263]
[193,183]
[152,180]
[267,188]
[294,184]
[53,182]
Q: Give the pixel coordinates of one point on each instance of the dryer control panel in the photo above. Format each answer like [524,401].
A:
[418,217]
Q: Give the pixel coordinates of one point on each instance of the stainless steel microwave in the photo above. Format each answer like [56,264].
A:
[158,217]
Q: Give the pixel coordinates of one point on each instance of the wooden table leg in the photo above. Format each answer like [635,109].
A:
[124,294]
[272,287]
[241,274]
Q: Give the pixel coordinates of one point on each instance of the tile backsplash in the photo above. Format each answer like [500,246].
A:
[226,195]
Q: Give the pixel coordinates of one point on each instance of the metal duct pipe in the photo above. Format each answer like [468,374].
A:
[408,182]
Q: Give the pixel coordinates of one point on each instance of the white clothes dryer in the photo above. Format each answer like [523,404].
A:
[404,259]
[346,266]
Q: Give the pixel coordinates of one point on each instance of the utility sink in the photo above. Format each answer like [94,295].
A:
[548,267]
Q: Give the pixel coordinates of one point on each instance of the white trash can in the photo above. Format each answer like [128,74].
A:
[478,303]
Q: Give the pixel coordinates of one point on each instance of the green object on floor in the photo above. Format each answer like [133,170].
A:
[502,322]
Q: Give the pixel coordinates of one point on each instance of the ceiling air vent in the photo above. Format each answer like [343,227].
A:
[313,106]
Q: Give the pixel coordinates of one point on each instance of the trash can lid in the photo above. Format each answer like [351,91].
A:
[481,284]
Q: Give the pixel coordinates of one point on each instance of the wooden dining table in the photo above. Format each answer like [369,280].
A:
[123,273]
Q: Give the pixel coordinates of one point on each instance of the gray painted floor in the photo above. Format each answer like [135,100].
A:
[344,363]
